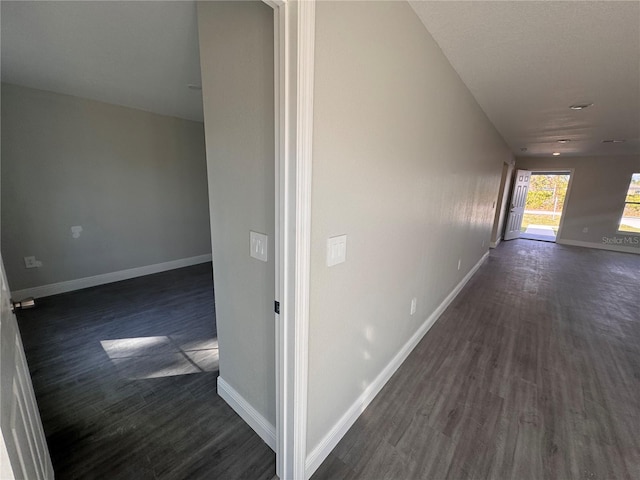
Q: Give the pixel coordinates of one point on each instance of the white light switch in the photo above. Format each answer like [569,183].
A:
[259,245]
[336,250]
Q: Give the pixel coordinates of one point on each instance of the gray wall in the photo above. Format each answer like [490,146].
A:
[405,164]
[236,56]
[596,197]
[134,181]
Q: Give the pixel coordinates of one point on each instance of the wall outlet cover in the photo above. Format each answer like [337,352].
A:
[76,231]
[31,262]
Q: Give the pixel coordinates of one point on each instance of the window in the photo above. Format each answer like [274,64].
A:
[630,221]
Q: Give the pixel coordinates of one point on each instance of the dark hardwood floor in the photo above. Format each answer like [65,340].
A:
[533,372]
[125,378]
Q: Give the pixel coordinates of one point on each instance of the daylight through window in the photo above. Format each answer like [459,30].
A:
[630,220]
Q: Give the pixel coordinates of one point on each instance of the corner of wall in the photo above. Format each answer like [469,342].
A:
[265,430]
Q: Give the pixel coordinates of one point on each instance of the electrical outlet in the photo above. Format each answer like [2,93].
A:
[414,303]
[459,263]
[31,262]
[585,230]
[76,230]
[483,243]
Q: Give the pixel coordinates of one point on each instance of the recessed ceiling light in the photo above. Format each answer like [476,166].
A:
[614,141]
[581,106]
[564,140]
[194,86]
[555,154]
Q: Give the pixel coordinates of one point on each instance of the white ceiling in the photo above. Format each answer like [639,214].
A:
[526,62]
[137,54]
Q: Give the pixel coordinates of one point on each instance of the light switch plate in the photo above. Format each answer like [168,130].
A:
[336,250]
[259,245]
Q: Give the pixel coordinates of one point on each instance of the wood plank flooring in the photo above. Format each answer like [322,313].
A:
[532,373]
[125,378]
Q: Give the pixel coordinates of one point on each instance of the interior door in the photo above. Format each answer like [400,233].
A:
[23,448]
[518,201]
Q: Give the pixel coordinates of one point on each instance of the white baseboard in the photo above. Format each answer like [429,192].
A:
[86,282]
[254,419]
[602,246]
[496,243]
[331,439]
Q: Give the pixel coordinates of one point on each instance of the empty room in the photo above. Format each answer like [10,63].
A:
[388,240]
[107,213]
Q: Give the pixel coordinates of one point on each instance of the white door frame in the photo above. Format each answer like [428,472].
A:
[294,39]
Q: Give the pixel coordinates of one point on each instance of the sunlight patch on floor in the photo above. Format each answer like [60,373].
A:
[161,356]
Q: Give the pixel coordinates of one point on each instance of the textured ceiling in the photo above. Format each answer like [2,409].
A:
[137,54]
[526,62]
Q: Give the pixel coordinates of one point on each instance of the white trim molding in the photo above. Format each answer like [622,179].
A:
[295,29]
[328,443]
[93,281]
[281,247]
[284,254]
[496,243]
[265,430]
[304,160]
[605,246]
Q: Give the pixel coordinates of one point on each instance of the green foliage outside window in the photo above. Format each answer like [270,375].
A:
[545,200]
[547,192]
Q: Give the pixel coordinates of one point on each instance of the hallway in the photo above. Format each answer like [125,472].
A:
[531,373]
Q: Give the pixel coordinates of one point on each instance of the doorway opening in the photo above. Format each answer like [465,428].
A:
[544,205]
[144,355]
